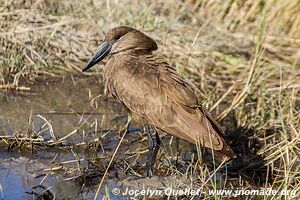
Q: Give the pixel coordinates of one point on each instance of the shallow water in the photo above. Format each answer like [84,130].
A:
[61,107]
[20,179]
[65,104]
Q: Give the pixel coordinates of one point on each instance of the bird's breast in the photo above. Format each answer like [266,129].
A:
[117,71]
[109,76]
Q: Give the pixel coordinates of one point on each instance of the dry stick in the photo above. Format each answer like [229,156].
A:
[2,193]
[54,168]
[111,160]
[44,178]
[71,161]
[68,135]
[13,87]
[222,98]
[8,137]
[49,125]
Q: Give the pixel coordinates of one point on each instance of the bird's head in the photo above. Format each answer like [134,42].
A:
[120,39]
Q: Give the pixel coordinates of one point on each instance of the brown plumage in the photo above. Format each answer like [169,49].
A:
[154,92]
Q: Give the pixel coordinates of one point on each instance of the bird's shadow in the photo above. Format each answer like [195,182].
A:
[248,163]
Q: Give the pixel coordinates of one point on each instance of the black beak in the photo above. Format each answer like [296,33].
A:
[101,52]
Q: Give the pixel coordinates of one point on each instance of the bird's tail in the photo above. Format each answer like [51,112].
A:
[225,154]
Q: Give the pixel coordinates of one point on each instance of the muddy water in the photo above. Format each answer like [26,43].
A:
[18,176]
[61,107]
[65,104]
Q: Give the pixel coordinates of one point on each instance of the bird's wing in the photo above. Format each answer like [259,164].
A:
[156,94]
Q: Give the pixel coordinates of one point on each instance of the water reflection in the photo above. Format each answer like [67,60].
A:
[66,104]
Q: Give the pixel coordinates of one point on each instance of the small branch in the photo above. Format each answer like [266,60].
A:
[21,138]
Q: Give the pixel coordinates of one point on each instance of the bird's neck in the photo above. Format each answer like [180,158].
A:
[135,52]
[122,60]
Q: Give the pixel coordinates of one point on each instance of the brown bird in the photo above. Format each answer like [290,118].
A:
[155,94]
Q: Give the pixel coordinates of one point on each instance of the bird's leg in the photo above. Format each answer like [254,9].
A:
[194,150]
[153,146]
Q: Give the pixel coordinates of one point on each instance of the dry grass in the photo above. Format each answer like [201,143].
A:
[243,55]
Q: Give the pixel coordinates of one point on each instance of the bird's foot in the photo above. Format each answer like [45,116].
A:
[148,171]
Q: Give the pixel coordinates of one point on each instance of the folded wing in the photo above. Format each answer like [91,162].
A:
[157,95]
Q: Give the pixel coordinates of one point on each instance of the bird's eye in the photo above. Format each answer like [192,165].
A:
[117,37]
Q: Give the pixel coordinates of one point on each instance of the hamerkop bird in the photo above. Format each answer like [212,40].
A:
[155,94]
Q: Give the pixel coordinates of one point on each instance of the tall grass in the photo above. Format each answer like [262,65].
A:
[244,56]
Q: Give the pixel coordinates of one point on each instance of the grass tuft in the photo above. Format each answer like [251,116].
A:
[243,55]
